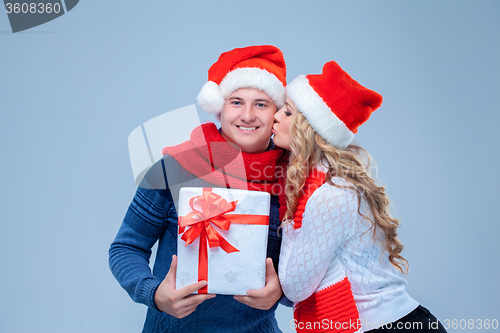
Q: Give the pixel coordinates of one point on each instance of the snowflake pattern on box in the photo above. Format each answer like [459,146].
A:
[231,277]
[183,278]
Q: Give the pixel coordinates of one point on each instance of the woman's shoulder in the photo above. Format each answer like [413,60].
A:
[340,190]
[335,205]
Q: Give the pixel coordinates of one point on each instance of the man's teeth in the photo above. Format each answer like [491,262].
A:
[248,128]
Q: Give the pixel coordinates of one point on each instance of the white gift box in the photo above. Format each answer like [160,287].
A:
[227,273]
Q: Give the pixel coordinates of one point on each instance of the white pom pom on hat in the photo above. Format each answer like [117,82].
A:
[210,98]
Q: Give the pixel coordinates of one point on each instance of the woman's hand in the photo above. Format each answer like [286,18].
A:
[178,303]
[266,297]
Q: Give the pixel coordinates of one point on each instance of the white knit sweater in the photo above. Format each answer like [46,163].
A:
[333,233]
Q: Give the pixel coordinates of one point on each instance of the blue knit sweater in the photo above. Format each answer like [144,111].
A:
[152,217]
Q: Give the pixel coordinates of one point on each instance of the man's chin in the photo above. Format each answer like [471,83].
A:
[253,146]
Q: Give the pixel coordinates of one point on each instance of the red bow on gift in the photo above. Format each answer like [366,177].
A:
[213,208]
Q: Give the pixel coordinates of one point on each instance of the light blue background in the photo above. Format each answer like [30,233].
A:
[73,89]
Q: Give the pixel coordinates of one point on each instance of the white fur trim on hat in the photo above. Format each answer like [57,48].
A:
[210,98]
[322,119]
[251,77]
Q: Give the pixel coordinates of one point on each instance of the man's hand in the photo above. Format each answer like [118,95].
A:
[178,303]
[266,297]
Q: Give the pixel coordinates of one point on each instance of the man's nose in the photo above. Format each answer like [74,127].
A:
[248,114]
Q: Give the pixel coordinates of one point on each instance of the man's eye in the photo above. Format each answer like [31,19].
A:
[236,102]
[261,105]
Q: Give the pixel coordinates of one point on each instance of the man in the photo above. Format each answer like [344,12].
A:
[245,89]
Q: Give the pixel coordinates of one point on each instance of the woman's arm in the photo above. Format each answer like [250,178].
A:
[306,253]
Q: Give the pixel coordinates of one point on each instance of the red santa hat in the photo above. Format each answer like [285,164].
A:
[262,67]
[333,103]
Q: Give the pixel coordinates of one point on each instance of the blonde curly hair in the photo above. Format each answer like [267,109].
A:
[308,149]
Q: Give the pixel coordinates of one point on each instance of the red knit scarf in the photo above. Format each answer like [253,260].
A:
[315,179]
[210,157]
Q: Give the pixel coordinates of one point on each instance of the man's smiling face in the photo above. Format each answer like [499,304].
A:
[247,119]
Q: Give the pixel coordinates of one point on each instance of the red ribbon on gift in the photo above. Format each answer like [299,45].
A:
[213,211]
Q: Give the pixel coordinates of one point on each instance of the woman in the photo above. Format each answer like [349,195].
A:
[244,90]
[337,220]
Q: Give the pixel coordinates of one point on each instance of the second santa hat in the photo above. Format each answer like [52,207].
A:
[261,67]
[333,103]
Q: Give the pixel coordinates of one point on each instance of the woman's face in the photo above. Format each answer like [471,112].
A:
[247,119]
[283,121]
